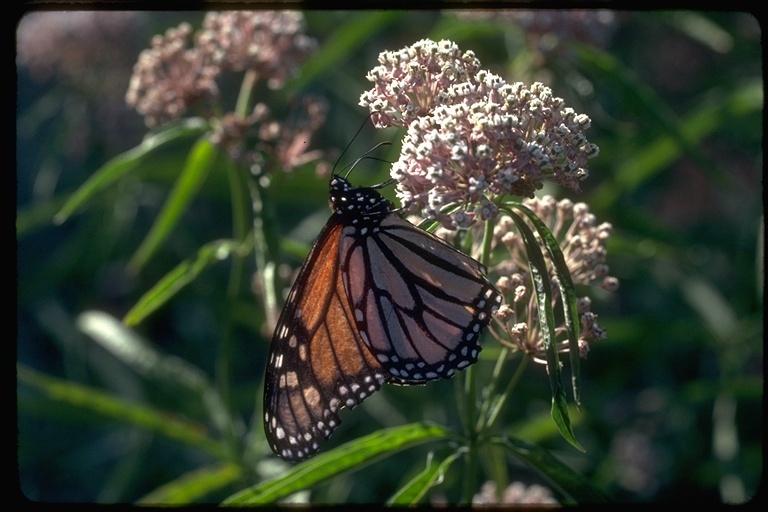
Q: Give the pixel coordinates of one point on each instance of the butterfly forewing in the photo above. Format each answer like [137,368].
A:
[318,362]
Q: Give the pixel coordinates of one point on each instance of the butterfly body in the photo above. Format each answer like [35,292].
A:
[377,300]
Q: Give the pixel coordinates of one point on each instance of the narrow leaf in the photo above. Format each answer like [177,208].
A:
[543,294]
[432,475]
[122,164]
[183,274]
[117,408]
[350,456]
[137,354]
[573,486]
[567,292]
[190,181]
[194,485]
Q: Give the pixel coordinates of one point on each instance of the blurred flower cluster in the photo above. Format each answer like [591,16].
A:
[182,69]
[471,137]
[75,47]
[515,493]
[583,242]
[272,43]
[171,76]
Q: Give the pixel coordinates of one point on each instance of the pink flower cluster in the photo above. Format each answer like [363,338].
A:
[583,242]
[471,137]
[170,76]
[177,72]
[180,71]
[410,82]
[272,43]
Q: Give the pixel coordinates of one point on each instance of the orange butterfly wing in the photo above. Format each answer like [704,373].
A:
[318,362]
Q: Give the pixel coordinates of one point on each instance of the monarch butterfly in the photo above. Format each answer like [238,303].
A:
[377,300]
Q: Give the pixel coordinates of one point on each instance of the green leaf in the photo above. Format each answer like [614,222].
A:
[183,274]
[546,318]
[137,354]
[539,427]
[433,474]
[191,179]
[349,456]
[574,487]
[133,351]
[194,485]
[37,214]
[700,28]
[122,164]
[116,408]
[567,292]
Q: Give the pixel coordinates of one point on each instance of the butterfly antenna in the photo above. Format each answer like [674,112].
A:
[353,164]
[365,156]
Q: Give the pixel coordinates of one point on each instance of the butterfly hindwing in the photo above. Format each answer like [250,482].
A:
[419,303]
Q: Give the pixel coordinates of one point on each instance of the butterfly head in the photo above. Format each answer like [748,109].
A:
[357,202]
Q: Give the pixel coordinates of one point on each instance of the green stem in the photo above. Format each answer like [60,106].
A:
[241,213]
[470,411]
[490,389]
[240,217]
[485,256]
[470,396]
[266,245]
[498,406]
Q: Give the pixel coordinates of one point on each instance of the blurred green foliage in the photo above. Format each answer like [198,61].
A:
[162,411]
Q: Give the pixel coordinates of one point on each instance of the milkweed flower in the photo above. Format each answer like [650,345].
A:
[411,82]
[493,139]
[583,242]
[272,43]
[582,239]
[181,71]
[472,137]
[171,76]
[282,143]
[514,493]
